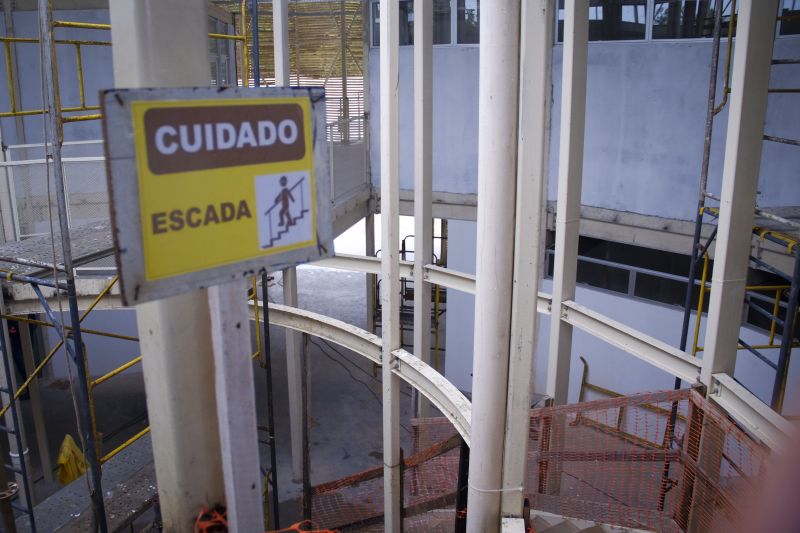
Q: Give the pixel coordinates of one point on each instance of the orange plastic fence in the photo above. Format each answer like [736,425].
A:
[429,487]
[618,462]
[614,461]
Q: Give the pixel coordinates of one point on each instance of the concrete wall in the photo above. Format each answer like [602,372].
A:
[105,354]
[609,366]
[645,122]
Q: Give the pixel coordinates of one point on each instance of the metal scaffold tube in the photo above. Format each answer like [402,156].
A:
[709,128]
[698,226]
[787,339]
[273,474]
[254,43]
[16,436]
[54,133]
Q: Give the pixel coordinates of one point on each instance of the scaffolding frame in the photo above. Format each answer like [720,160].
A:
[779,236]
[9,42]
[63,280]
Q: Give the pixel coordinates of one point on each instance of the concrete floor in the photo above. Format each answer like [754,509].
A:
[345,404]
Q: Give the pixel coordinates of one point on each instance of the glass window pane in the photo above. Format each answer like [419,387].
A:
[683,19]
[468,21]
[441,22]
[612,20]
[376,24]
[790,17]
[406,22]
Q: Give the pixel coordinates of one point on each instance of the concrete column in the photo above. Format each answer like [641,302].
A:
[536,48]
[568,208]
[497,173]
[236,406]
[280,23]
[165,44]
[294,375]
[423,184]
[390,260]
[755,33]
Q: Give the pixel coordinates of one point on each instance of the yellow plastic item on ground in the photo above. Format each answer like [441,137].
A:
[71,462]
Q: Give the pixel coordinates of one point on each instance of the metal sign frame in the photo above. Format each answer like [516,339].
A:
[125,194]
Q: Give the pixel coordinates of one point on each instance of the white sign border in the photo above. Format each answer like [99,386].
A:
[123,191]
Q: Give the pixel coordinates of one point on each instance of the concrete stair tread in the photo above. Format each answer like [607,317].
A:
[562,527]
[550,523]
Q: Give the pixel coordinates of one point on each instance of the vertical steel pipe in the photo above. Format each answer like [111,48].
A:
[497,177]
[256,51]
[273,474]
[390,260]
[55,136]
[787,338]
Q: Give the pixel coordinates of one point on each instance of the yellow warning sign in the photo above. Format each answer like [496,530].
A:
[222,181]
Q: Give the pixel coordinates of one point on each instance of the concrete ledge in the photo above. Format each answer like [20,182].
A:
[126,474]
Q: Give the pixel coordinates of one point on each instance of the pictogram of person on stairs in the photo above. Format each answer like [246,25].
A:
[284,198]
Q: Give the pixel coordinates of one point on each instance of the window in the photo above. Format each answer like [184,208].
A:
[220,53]
[441,22]
[468,21]
[790,17]
[406,23]
[612,20]
[689,19]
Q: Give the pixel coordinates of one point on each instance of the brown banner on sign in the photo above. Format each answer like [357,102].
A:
[181,139]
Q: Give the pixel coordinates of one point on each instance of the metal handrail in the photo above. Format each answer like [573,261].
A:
[78,43]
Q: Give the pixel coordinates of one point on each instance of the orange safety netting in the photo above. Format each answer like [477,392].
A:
[614,461]
[429,486]
[618,462]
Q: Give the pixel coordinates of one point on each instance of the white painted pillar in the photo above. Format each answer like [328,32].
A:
[423,184]
[294,375]
[280,23]
[390,259]
[369,251]
[755,32]
[236,406]
[497,179]
[536,51]
[568,208]
[165,44]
